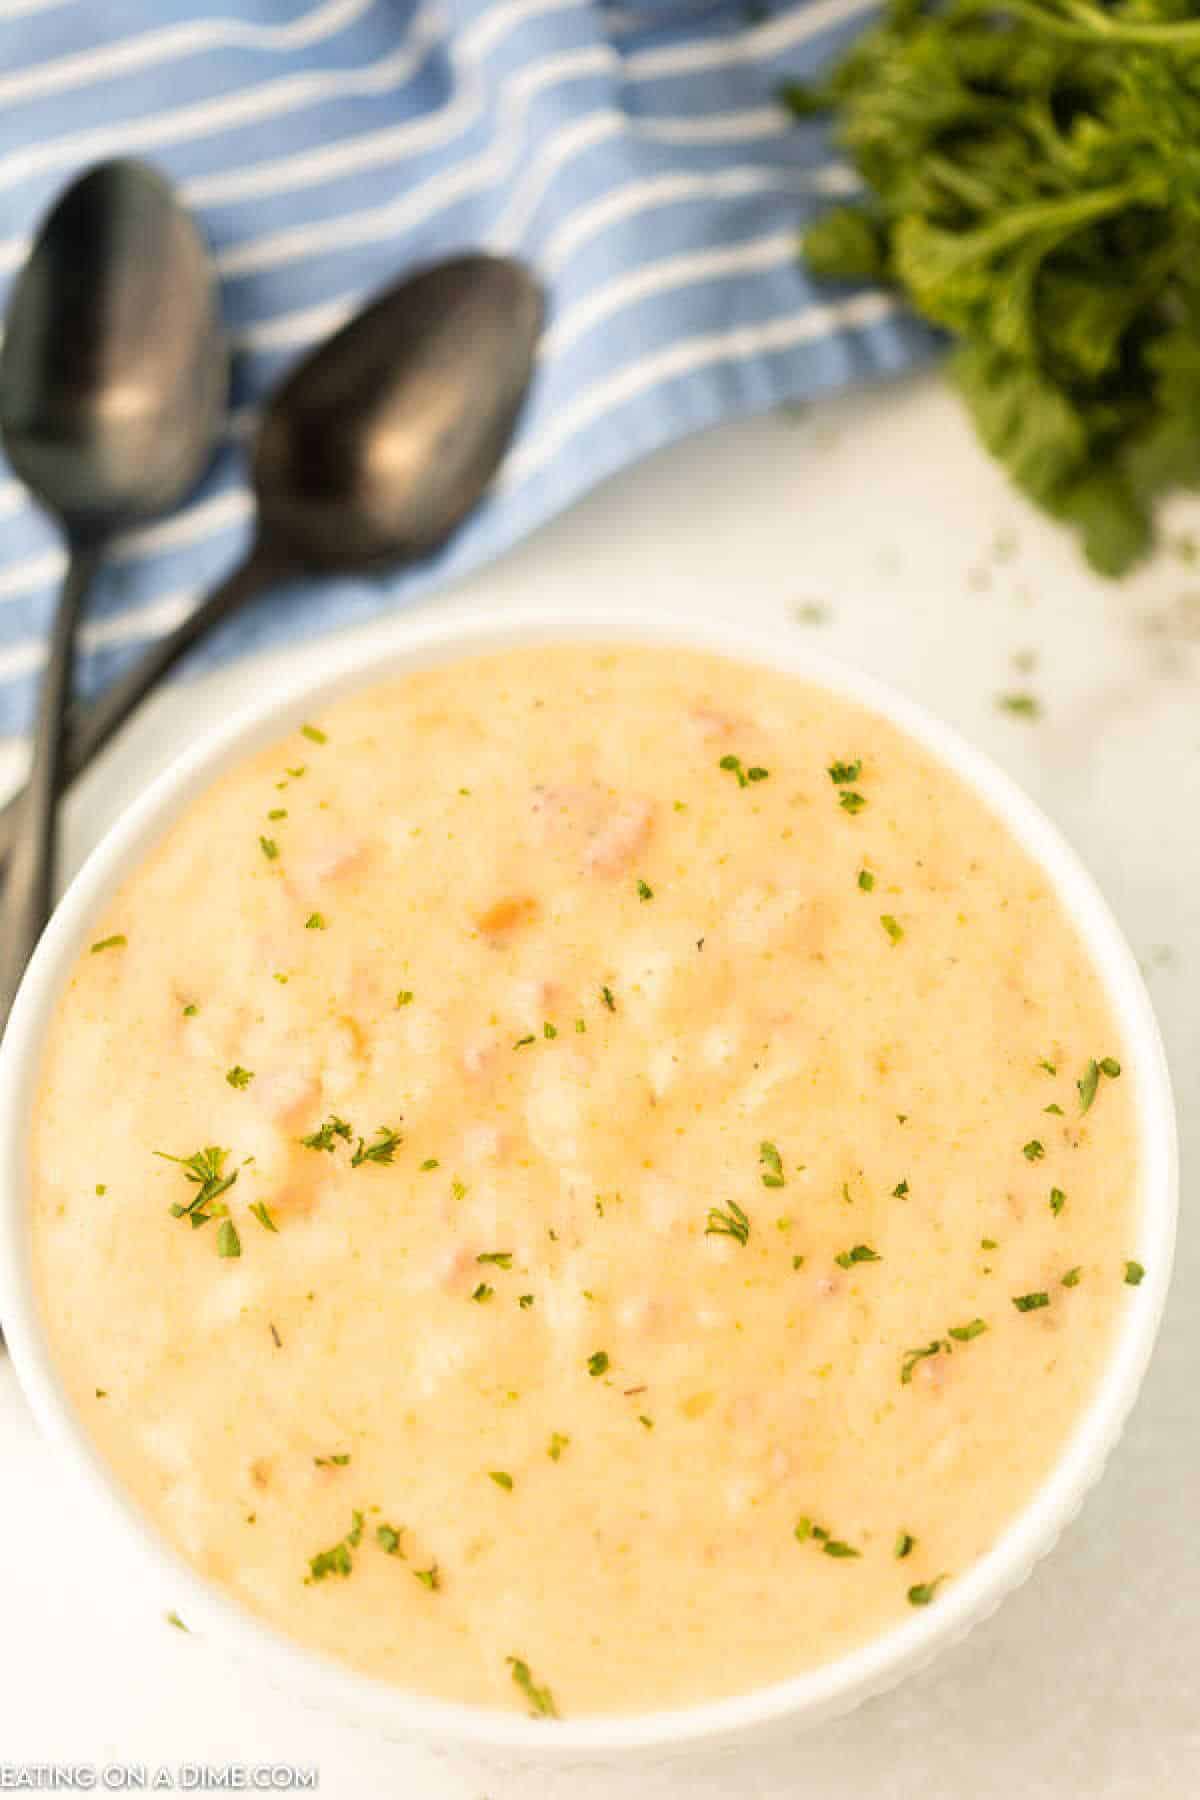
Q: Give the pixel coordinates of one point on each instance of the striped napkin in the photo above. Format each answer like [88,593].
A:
[634,153]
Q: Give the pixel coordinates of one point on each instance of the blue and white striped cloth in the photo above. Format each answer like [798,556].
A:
[634,153]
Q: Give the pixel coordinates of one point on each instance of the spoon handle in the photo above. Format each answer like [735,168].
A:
[91,725]
[29,894]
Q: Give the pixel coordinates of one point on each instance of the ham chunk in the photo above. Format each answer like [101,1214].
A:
[622,837]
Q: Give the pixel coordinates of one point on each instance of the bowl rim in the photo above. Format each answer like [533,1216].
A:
[830,1688]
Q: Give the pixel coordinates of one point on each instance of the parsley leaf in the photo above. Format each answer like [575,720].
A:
[1013,156]
[861,1253]
[913,1357]
[323,1137]
[772,1162]
[733,1223]
[382,1151]
[924,1591]
[541,1700]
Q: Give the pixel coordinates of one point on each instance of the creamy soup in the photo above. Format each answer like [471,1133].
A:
[584,1180]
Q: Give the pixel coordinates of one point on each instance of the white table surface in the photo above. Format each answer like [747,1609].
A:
[880,512]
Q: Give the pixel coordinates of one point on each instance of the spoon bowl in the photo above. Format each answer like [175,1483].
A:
[381,442]
[113,376]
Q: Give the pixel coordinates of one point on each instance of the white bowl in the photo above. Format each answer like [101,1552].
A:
[819,1693]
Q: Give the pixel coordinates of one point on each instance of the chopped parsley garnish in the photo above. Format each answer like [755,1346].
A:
[989,1243]
[204,1170]
[606,994]
[339,1461]
[1057,1201]
[190,1011]
[904,1546]
[1134,1274]
[315,922]
[733,1223]
[404,997]
[549,1030]
[388,1539]
[483,1293]
[118,941]
[645,892]
[382,1151]
[237,1077]
[772,1163]
[259,1209]
[1054,1108]
[866,880]
[1088,1084]
[269,848]
[1050,1068]
[277,812]
[900,1191]
[501,1258]
[733,766]
[429,1578]
[648,1423]
[101,1187]
[913,1357]
[598,1362]
[1022,706]
[502,1479]
[892,926]
[580,1026]
[851,801]
[1089,1081]
[458,1189]
[431,1162]
[962,1334]
[541,1700]
[923,1593]
[323,1137]
[314,734]
[522,1041]
[1033,1151]
[1073,1276]
[525,1302]
[338,1560]
[558,1443]
[859,1254]
[228,1241]
[843,773]
[174,1619]
[1031,1302]
[804,1529]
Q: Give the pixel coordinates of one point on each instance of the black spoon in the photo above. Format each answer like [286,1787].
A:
[369,455]
[113,381]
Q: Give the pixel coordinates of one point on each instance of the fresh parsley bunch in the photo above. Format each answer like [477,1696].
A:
[1033,176]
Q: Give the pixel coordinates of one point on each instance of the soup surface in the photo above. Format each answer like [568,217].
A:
[584,1179]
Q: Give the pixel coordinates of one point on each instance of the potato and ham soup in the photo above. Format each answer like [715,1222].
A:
[584,1179]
